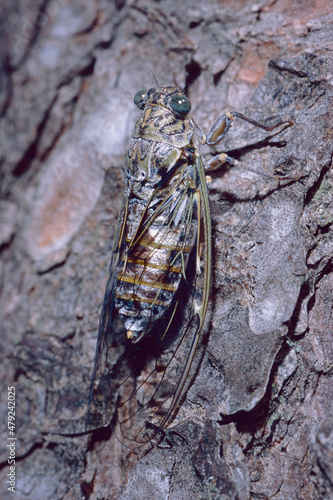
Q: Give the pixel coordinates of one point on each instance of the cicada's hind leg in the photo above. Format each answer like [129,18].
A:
[220,129]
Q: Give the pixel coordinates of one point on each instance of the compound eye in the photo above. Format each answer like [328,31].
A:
[138,98]
[180,104]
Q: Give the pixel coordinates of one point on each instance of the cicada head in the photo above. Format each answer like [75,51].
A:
[170,98]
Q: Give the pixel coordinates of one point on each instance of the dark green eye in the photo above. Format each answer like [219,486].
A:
[138,98]
[180,104]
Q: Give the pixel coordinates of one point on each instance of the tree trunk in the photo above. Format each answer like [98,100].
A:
[256,421]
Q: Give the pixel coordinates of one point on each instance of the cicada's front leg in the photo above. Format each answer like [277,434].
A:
[220,129]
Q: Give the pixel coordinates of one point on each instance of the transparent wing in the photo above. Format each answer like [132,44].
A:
[101,406]
[138,385]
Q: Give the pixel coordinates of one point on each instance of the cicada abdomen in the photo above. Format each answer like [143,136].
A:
[158,287]
[159,234]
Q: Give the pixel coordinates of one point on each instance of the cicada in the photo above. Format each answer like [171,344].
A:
[158,287]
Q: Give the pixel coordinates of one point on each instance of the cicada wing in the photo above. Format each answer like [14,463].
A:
[139,384]
[102,404]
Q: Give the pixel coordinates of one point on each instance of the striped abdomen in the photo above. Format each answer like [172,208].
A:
[153,262]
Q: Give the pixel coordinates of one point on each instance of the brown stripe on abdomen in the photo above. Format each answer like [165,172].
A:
[147,280]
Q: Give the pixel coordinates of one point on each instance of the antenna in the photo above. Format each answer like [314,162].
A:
[152,72]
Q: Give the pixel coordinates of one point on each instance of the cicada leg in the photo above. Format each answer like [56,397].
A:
[219,160]
[220,129]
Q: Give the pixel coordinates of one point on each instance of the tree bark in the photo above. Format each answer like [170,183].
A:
[257,419]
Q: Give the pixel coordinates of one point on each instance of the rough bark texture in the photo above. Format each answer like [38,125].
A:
[257,420]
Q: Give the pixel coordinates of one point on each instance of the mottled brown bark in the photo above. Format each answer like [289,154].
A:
[257,419]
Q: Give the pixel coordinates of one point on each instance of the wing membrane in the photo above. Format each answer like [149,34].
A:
[137,384]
